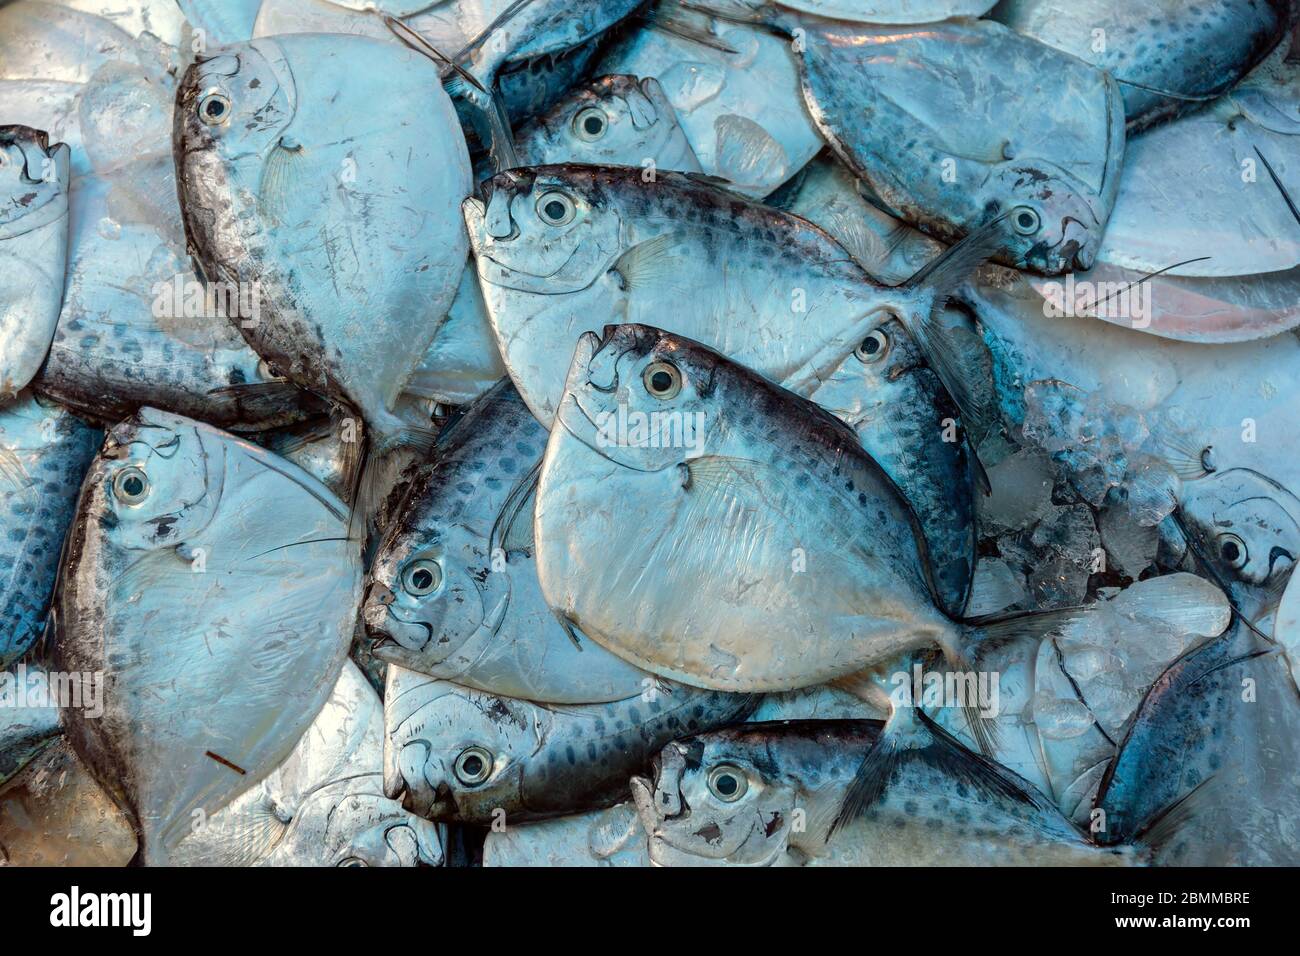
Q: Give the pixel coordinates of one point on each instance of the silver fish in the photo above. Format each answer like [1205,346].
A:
[561,249]
[454,590]
[768,795]
[866,11]
[611,837]
[1055,180]
[462,755]
[735,89]
[323,806]
[609,121]
[1146,48]
[763,550]
[294,185]
[53,813]
[34,180]
[44,454]
[180,525]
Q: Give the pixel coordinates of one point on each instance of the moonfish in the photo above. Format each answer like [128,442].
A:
[340,215]
[462,755]
[324,805]
[34,179]
[934,122]
[454,590]
[769,553]
[179,525]
[44,453]
[768,794]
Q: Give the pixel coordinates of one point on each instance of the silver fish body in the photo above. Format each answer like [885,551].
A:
[28,722]
[609,121]
[862,11]
[324,805]
[461,362]
[1168,56]
[241,562]
[885,101]
[767,795]
[34,178]
[462,755]
[351,242]
[454,590]
[770,553]
[44,454]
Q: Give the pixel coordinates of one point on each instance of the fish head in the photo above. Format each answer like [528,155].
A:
[33,180]
[716,799]
[545,229]
[157,482]
[641,397]
[461,754]
[1245,529]
[868,379]
[365,829]
[1052,222]
[614,120]
[426,599]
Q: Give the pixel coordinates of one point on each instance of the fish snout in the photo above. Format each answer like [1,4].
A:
[378,600]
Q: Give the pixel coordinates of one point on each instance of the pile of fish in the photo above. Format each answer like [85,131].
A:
[649,432]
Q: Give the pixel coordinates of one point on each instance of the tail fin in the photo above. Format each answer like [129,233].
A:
[1166,825]
[379,465]
[959,358]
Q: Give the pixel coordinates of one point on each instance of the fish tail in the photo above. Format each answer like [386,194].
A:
[391,450]
[1165,826]
[958,357]
[490,120]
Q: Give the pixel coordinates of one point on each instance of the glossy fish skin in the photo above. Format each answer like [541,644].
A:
[27,727]
[871,89]
[34,179]
[862,11]
[462,361]
[44,454]
[771,554]
[334,211]
[124,339]
[940,806]
[242,560]
[1191,51]
[540,761]
[630,246]
[609,121]
[485,623]
[1219,729]
[324,805]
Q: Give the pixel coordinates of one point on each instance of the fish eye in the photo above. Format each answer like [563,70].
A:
[352,861]
[214,109]
[1233,550]
[422,577]
[473,766]
[873,348]
[555,208]
[728,783]
[662,380]
[131,486]
[1025,220]
[590,124]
